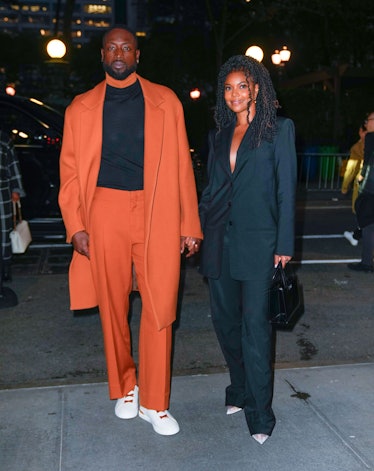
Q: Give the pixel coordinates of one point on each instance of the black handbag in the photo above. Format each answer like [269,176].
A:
[285,298]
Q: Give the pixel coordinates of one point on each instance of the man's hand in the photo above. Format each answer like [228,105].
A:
[80,241]
[190,243]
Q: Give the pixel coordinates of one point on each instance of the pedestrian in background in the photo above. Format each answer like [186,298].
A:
[247,216]
[128,197]
[364,205]
[352,174]
[11,191]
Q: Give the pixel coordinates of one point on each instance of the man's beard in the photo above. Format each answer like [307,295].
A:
[119,76]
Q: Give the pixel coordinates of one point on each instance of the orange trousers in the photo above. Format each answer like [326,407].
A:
[116,244]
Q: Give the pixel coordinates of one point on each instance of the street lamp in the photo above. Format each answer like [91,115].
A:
[195,94]
[281,57]
[56,72]
[56,49]
[10,89]
[256,52]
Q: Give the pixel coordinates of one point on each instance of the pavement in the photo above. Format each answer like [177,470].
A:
[324,423]
[54,408]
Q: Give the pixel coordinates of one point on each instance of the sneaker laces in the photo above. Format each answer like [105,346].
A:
[129,397]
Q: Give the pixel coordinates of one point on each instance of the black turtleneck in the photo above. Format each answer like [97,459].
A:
[122,158]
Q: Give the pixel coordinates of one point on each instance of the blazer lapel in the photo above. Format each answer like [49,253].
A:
[245,159]
[223,144]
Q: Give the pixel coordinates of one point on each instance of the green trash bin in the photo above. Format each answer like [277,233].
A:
[328,165]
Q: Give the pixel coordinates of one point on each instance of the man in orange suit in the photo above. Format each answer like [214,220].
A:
[128,198]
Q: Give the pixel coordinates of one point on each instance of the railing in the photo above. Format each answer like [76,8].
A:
[320,171]
[316,171]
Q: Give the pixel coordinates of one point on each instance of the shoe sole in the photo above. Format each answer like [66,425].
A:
[130,416]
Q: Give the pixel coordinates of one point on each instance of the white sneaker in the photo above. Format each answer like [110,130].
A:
[127,406]
[350,238]
[162,421]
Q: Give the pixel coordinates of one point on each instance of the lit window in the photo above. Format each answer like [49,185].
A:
[94,9]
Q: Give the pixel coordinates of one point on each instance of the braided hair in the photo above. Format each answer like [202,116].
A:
[263,125]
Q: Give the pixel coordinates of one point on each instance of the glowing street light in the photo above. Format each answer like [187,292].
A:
[256,52]
[10,90]
[281,57]
[56,49]
[195,94]
[56,71]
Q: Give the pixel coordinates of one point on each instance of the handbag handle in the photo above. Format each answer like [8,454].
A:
[279,271]
[16,212]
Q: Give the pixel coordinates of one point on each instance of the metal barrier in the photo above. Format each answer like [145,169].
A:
[316,171]
[321,171]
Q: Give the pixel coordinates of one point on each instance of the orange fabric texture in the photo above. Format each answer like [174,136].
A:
[170,200]
[117,224]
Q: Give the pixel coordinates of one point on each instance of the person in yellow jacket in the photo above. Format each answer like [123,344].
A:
[352,174]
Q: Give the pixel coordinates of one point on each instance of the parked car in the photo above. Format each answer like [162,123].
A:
[37,132]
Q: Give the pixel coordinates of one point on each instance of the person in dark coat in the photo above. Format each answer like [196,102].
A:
[247,216]
[11,190]
[364,204]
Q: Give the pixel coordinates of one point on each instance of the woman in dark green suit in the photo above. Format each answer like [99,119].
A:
[247,215]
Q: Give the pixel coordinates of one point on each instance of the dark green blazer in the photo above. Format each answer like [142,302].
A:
[255,204]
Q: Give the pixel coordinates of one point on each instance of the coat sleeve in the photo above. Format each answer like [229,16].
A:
[15,178]
[69,195]
[190,222]
[206,194]
[285,173]
[353,167]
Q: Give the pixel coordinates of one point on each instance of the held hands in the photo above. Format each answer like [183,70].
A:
[281,258]
[80,241]
[191,244]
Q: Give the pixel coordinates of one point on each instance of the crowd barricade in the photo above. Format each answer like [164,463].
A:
[321,169]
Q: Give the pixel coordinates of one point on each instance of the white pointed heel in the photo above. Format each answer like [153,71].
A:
[232,410]
[260,438]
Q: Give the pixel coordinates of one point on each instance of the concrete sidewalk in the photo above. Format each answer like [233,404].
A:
[324,423]
[55,414]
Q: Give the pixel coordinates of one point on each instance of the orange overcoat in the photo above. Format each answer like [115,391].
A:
[171,208]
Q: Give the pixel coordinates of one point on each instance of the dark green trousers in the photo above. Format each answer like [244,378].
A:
[240,318]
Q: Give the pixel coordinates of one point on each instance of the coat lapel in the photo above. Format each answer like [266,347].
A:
[154,130]
[91,125]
